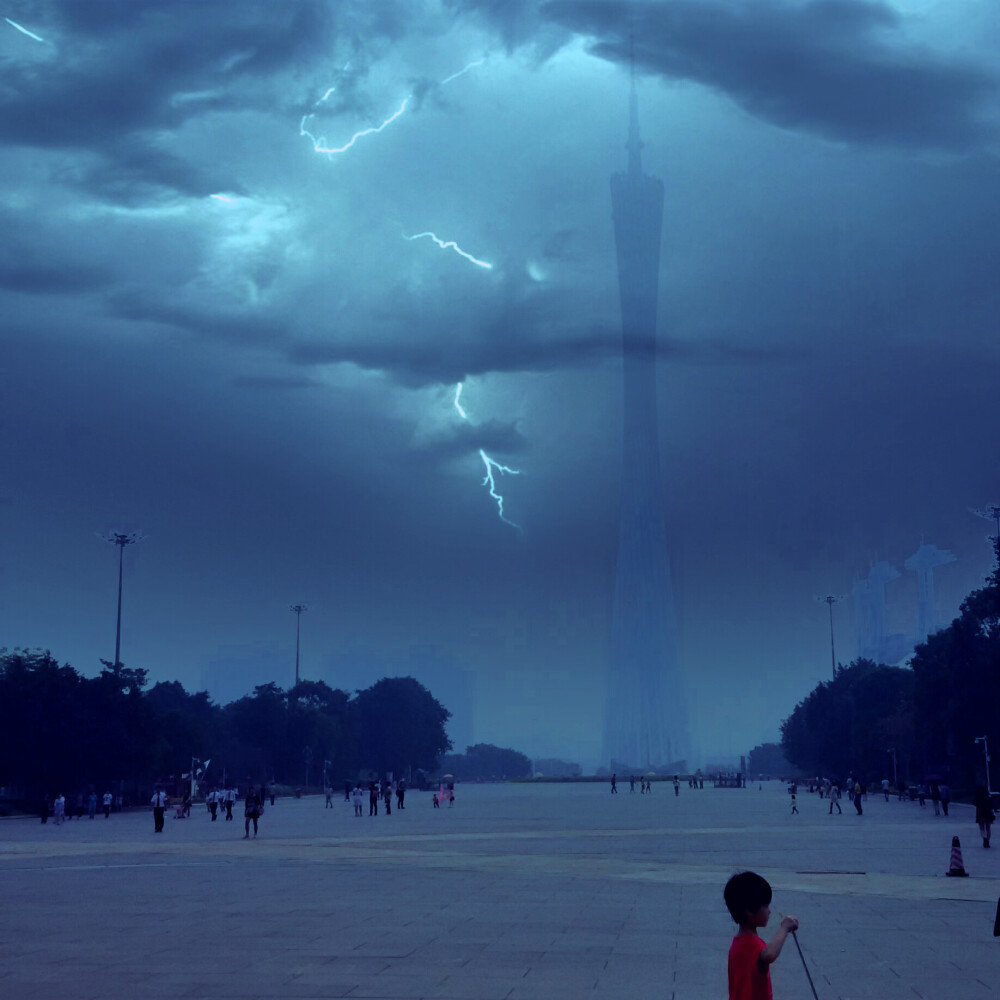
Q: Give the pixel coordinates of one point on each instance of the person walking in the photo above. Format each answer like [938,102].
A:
[885,788]
[159,804]
[857,797]
[230,802]
[92,804]
[251,813]
[372,799]
[213,803]
[59,809]
[387,797]
[106,802]
[328,792]
[358,796]
[834,796]
[936,798]
[677,786]
[795,808]
[43,808]
[400,793]
[984,813]
[614,784]
[945,793]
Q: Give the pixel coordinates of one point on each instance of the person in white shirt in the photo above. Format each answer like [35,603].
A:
[106,801]
[59,809]
[159,804]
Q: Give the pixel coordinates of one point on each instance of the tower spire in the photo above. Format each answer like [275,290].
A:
[634,144]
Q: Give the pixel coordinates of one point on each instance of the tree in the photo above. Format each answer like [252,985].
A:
[487,761]
[400,725]
[847,725]
[957,673]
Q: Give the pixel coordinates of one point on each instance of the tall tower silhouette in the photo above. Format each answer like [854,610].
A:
[646,720]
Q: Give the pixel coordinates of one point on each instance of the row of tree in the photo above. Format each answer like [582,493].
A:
[926,719]
[62,731]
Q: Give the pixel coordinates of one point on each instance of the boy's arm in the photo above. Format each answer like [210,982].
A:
[774,946]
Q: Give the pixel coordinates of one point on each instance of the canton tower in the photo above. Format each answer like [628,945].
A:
[646,723]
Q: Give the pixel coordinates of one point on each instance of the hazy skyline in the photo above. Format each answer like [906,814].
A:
[241,346]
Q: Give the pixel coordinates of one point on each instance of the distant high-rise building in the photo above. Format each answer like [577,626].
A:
[646,717]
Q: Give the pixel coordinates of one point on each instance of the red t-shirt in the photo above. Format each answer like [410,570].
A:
[746,981]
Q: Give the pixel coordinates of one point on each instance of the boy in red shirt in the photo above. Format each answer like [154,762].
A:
[748,898]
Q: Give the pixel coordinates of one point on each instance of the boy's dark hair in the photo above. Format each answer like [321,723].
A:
[746,893]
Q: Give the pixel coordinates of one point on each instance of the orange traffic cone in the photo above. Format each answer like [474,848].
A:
[957,867]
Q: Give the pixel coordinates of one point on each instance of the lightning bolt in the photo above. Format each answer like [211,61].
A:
[452,245]
[458,405]
[24,31]
[222,197]
[462,71]
[319,144]
[490,464]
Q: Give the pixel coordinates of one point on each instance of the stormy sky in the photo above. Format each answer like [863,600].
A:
[216,333]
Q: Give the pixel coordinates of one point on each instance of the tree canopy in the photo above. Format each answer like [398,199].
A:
[62,731]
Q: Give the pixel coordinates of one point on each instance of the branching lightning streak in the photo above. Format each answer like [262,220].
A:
[318,144]
[490,464]
[23,30]
[452,245]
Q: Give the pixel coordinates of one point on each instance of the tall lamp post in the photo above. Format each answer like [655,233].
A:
[830,600]
[121,539]
[298,609]
[986,754]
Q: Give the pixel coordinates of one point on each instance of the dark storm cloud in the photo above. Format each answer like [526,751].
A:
[268,382]
[828,67]
[428,362]
[50,278]
[467,438]
[127,72]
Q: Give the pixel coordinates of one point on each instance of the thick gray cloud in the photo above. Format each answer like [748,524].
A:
[832,67]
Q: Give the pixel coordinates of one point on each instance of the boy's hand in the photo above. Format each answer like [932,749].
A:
[790,924]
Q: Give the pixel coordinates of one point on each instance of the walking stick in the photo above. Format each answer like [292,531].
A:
[804,966]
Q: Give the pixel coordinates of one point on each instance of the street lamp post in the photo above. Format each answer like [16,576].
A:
[298,609]
[121,539]
[986,755]
[895,774]
[830,600]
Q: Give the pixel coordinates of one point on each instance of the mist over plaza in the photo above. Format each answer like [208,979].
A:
[223,326]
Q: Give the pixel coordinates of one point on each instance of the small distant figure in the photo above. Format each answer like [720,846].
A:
[614,784]
[885,788]
[43,808]
[92,804]
[834,796]
[59,809]
[230,802]
[984,813]
[251,813]
[213,803]
[106,802]
[271,793]
[358,800]
[159,803]
[748,899]
[936,798]
[372,799]
[631,783]
[387,797]
[400,793]
[945,793]
[857,797]
[328,792]
[677,785]
[795,808]
[922,795]
[347,792]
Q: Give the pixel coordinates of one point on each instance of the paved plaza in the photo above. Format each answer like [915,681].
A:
[519,892]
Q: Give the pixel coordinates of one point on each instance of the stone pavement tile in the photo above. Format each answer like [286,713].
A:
[458,987]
